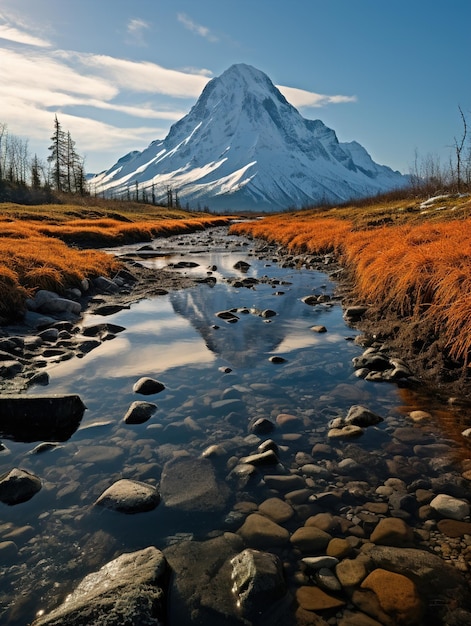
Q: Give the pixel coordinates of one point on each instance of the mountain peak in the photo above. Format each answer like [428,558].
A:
[242,146]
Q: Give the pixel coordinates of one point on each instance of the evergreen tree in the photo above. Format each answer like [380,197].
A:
[58,157]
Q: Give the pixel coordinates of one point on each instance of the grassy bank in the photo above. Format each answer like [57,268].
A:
[409,260]
[55,246]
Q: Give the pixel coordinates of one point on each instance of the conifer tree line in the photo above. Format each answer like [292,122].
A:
[64,170]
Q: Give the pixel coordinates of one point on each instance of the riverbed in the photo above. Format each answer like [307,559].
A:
[276,356]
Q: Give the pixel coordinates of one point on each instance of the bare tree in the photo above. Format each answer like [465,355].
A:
[459,145]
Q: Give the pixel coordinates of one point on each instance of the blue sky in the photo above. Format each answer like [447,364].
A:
[388,74]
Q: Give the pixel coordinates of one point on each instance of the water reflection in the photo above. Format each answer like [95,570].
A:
[174,338]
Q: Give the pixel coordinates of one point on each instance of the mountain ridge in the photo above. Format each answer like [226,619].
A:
[243,146]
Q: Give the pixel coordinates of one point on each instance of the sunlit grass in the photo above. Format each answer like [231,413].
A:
[51,247]
[409,258]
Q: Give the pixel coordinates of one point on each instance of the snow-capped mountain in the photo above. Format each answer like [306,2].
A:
[243,147]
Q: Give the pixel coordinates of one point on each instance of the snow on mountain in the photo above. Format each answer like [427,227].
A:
[242,146]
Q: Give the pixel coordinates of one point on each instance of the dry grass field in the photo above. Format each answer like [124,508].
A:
[408,258]
[55,246]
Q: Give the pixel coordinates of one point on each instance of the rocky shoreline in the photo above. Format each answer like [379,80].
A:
[320,530]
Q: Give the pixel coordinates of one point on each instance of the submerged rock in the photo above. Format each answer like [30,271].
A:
[40,418]
[124,591]
[129,496]
[18,486]
[258,581]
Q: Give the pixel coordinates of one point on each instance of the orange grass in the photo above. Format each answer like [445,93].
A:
[34,253]
[418,271]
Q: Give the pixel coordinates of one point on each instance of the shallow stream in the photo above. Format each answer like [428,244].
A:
[218,378]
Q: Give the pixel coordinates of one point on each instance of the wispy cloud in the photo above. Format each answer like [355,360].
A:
[194,27]
[136,29]
[17,33]
[305,99]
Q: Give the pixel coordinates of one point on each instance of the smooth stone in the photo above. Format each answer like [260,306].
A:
[262,426]
[339,548]
[147,386]
[268,457]
[285,483]
[277,510]
[139,412]
[98,454]
[129,496]
[287,421]
[318,329]
[351,572]
[190,484]
[448,506]
[319,562]
[18,485]
[397,595]
[315,599]
[454,528]
[347,432]
[310,539]
[392,531]
[361,416]
[124,591]
[420,416]
[260,532]
[327,580]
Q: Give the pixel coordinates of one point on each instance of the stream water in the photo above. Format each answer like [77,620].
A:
[204,363]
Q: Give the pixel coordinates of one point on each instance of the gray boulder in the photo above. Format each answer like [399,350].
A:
[124,591]
[139,412]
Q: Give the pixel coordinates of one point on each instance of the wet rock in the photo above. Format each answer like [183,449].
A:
[124,591]
[105,285]
[49,302]
[139,412]
[454,528]
[351,572]
[288,422]
[277,510]
[284,483]
[277,359]
[148,386]
[268,457]
[261,426]
[8,552]
[260,532]
[447,506]
[201,586]
[242,266]
[36,418]
[319,562]
[315,599]
[318,329]
[392,531]
[327,580]
[18,486]
[190,484]
[258,581]
[360,416]
[345,432]
[310,539]
[397,596]
[102,330]
[227,316]
[129,496]
[354,313]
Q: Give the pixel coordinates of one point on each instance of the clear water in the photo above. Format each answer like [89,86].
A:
[174,338]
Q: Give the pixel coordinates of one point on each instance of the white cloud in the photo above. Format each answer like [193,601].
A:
[136,29]
[301,98]
[143,76]
[192,26]
[11,33]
